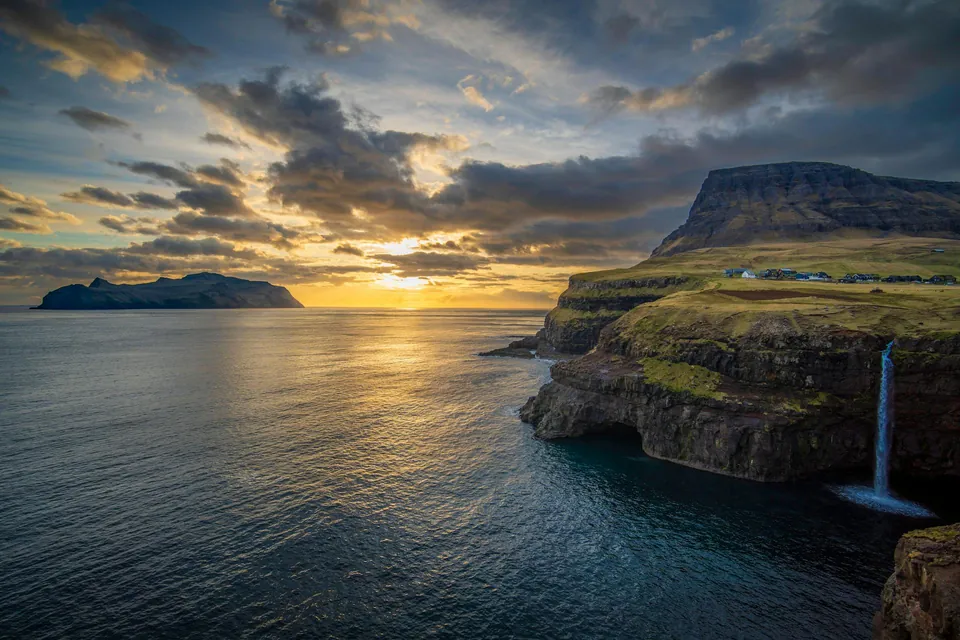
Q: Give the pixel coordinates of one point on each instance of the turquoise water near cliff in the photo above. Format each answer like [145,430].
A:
[361,474]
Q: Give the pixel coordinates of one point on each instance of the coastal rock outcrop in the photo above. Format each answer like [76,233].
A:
[809,201]
[757,394]
[194,291]
[776,379]
[921,600]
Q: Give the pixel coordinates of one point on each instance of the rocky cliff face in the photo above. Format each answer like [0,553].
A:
[810,200]
[757,395]
[921,600]
[195,291]
[587,306]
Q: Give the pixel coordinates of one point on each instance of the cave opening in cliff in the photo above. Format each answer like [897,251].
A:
[618,431]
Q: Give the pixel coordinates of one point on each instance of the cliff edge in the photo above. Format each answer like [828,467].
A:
[921,600]
[812,201]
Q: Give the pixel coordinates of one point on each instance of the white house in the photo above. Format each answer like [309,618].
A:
[748,274]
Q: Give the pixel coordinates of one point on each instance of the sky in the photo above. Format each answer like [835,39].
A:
[432,153]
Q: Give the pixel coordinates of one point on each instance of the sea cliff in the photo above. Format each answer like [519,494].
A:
[770,380]
[921,600]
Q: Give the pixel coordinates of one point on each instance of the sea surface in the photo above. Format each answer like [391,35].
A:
[357,474]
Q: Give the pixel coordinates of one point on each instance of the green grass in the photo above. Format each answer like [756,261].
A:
[886,256]
[681,377]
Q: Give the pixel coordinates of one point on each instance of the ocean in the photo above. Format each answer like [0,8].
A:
[362,473]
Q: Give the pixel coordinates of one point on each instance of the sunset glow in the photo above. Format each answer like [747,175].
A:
[461,153]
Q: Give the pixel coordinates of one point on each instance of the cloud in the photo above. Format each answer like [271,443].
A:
[95,120]
[331,169]
[146,200]
[8,223]
[166,173]
[349,249]
[101,196]
[4,93]
[129,225]
[171,246]
[473,95]
[215,200]
[227,174]
[428,264]
[717,36]
[335,27]
[218,138]
[163,45]
[150,48]
[259,230]
[33,207]
[849,53]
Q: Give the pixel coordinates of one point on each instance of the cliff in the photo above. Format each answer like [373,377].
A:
[195,291]
[812,201]
[768,385]
[771,380]
[921,600]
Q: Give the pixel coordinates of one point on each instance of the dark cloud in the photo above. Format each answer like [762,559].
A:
[349,249]
[166,173]
[145,200]
[104,197]
[332,168]
[621,26]
[122,45]
[4,93]
[160,43]
[257,230]
[215,200]
[218,138]
[227,174]
[334,27]
[130,225]
[100,196]
[8,223]
[95,120]
[851,52]
[171,246]
[428,264]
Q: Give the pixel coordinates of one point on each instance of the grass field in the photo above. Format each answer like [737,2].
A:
[886,256]
[718,308]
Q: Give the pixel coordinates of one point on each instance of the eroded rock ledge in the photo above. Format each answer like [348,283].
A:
[921,600]
[763,396]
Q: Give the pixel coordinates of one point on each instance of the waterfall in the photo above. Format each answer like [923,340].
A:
[884,426]
[880,497]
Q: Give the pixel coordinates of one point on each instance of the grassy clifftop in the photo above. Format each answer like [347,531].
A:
[895,255]
[689,288]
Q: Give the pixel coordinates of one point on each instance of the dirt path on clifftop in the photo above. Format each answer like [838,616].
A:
[773,294]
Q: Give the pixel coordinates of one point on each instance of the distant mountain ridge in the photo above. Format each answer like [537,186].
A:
[194,291]
[812,200]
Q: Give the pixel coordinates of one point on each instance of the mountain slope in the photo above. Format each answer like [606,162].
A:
[194,291]
[812,201]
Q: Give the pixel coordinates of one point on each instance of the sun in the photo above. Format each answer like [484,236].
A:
[390,281]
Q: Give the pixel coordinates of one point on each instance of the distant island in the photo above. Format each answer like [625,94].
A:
[194,291]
